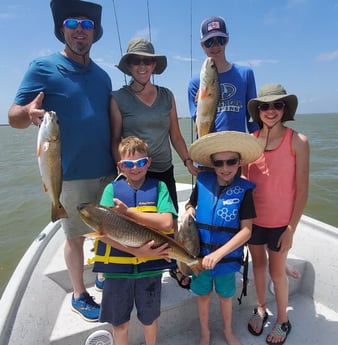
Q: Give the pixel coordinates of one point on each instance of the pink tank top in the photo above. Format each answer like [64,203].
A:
[274,174]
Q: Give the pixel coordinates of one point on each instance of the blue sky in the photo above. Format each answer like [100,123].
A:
[293,42]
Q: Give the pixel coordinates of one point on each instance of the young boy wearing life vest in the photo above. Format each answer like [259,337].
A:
[223,207]
[133,275]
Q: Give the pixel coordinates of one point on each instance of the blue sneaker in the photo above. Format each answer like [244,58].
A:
[86,307]
[99,284]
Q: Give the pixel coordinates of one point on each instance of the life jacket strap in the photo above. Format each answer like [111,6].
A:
[216,228]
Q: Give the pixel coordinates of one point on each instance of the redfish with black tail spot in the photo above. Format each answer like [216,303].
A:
[49,160]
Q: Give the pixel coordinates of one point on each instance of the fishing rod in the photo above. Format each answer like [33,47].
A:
[118,36]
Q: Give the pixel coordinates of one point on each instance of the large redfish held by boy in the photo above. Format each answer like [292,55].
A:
[124,230]
[49,159]
[207,97]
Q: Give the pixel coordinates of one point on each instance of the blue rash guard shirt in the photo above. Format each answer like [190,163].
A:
[237,87]
[80,97]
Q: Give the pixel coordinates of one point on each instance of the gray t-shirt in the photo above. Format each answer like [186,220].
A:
[150,123]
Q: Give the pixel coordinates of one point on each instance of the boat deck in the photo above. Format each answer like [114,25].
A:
[40,311]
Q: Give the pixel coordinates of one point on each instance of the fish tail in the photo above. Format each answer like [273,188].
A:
[58,212]
[197,267]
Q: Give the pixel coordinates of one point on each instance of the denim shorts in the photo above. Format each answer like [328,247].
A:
[225,284]
[120,294]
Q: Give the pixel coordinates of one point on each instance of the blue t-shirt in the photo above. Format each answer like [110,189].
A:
[80,97]
[237,87]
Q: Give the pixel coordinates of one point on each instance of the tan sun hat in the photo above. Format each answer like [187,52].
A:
[271,93]
[245,144]
[143,47]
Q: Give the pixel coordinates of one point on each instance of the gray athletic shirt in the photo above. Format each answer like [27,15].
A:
[150,123]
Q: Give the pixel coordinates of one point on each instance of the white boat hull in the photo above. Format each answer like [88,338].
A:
[35,307]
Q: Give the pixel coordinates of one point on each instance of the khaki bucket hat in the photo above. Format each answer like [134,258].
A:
[143,47]
[271,93]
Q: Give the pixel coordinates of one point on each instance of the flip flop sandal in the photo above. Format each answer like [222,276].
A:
[280,330]
[258,320]
[173,273]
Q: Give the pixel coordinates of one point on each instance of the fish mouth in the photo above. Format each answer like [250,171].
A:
[81,206]
[83,210]
[87,216]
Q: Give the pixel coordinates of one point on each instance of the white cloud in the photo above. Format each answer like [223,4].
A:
[256,62]
[183,58]
[328,56]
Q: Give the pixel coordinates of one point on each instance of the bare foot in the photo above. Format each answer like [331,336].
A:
[292,272]
[231,339]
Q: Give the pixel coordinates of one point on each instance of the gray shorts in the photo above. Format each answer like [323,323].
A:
[120,294]
[75,192]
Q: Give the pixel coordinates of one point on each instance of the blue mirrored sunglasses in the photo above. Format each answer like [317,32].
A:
[72,23]
[140,163]
[213,40]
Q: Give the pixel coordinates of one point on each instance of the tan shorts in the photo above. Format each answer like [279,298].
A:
[75,192]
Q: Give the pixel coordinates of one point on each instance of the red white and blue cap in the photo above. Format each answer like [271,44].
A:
[212,27]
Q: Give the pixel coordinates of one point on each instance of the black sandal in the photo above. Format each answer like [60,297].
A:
[281,330]
[173,273]
[259,320]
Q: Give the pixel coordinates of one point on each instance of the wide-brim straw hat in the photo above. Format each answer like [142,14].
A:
[245,144]
[143,47]
[63,9]
[271,93]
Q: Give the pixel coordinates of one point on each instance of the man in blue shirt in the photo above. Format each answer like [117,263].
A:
[78,90]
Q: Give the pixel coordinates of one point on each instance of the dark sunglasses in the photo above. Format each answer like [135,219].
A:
[72,23]
[138,61]
[229,162]
[213,40]
[274,105]
[140,163]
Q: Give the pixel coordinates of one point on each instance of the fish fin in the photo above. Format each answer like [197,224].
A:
[197,268]
[93,235]
[203,93]
[58,212]
[45,146]
[45,189]
[197,94]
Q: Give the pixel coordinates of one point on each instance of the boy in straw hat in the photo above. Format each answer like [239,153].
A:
[281,176]
[223,207]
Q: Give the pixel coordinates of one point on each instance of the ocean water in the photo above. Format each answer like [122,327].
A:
[25,208]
